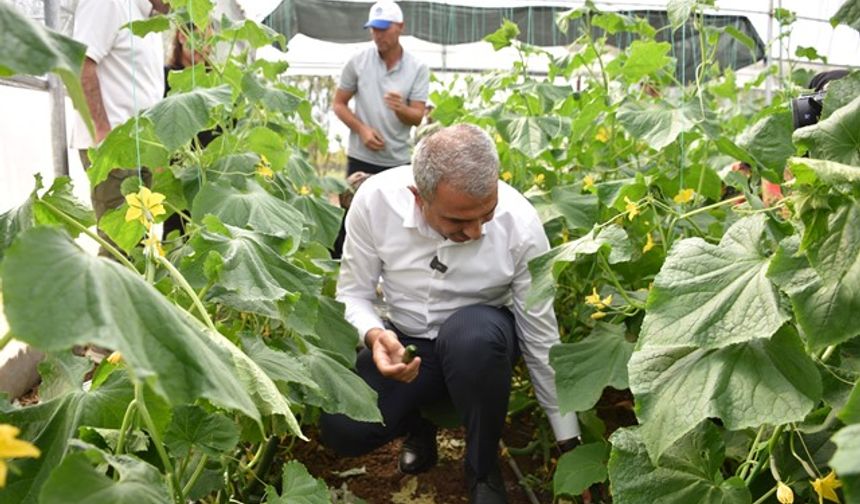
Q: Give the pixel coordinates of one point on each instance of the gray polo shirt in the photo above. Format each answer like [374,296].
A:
[366,76]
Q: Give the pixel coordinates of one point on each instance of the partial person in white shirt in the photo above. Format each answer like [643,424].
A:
[122,74]
[451,244]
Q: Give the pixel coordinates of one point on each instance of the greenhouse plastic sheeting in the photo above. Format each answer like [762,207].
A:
[341,21]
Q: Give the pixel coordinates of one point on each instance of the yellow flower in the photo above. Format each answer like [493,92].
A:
[507,176]
[10,448]
[784,494]
[684,196]
[588,183]
[152,243]
[264,168]
[304,190]
[606,301]
[632,209]
[144,205]
[598,315]
[649,244]
[539,178]
[115,358]
[602,135]
[594,298]
[826,488]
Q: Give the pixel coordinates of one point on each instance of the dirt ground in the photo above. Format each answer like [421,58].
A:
[374,478]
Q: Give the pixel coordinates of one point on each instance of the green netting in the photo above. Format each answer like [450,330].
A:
[340,21]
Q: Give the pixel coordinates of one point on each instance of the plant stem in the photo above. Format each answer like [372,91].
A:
[711,207]
[764,497]
[614,279]
[156,438]
[183,283]
[770,445]
[126,420]
[5,339]
[189,485]
[80,227]
[753,452]
[520,479]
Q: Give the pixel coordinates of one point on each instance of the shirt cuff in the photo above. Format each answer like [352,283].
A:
[564,426]
[365,326]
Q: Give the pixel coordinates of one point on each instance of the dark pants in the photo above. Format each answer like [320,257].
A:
[352,166]
[471,361]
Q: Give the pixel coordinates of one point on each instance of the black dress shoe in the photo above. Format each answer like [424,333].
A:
[487,490]
[419,452]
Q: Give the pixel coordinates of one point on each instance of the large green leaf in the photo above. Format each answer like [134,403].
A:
[280,366]
[768,141]
[825,308]
[61,197]
[298,487]
[688,473]
[193,428]
[836,254]
[276,100]
[850,413]
[711,296]
[579,210]
[49,283]
[848,14]
[13,222]
[526,135]
[130,145]
[836,138]
[808,171]
[340,390]
[323,218]
[546,268]
[841,91]
[678,387]
[251,270]
[52,423]
[846,460]
[645,58]
[248,207]
[583,369]
[178,117]
[30,49]
[77,479]
[580,468]
[658,124]
[679,11]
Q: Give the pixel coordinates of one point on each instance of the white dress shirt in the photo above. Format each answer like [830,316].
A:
[388,239]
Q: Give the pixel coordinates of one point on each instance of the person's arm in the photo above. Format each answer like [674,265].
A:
[360,269]
[409,113]
[93,94]
[370,137]
[538,330]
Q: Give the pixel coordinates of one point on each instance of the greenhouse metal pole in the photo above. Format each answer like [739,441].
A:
[58,101]
[768,82]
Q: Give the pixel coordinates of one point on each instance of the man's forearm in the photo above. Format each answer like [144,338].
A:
[411,114]
[93,95]
[347,117]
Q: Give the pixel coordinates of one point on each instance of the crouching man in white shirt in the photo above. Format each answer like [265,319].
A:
[452,244]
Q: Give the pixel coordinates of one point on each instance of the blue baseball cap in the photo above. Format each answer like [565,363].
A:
[382,14]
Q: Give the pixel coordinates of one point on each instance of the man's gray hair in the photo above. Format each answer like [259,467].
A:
[462,155]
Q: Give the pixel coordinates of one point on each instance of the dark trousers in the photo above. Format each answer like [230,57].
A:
[352,166]
[471,361]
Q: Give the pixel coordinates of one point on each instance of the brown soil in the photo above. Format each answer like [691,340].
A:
[374,478]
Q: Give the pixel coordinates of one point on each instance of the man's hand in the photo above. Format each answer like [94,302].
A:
[371,138]
[394,101]
[388,356]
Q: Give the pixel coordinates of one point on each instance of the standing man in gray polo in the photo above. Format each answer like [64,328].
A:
[390,88]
